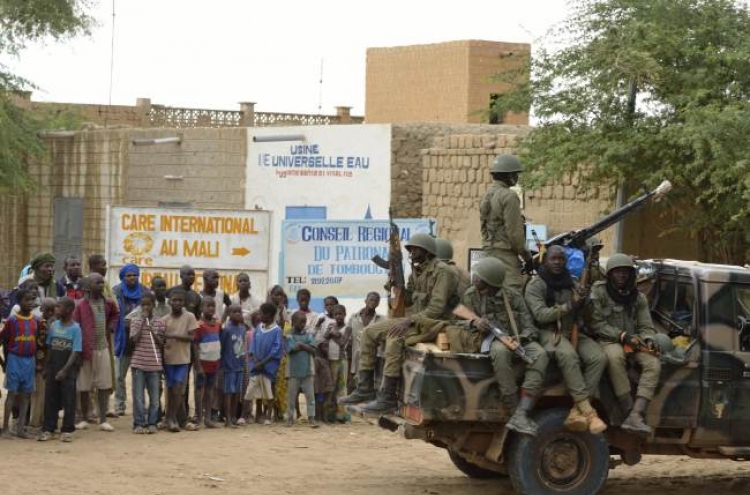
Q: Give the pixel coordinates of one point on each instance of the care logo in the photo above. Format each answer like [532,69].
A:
[138,243]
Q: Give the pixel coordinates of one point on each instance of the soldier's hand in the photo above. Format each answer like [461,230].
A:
[482,325]
[584,292]
[400,328]
[653,346]
[631,340]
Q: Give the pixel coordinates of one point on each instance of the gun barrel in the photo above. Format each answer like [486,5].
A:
[519,350]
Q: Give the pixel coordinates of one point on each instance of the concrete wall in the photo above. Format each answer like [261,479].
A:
[442,82]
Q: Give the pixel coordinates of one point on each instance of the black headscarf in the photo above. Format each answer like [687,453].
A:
[555,283]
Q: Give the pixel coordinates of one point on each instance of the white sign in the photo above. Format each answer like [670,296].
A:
[338,172]
[334,258]
[170,238]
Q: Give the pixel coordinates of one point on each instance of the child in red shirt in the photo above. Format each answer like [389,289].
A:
[207,355]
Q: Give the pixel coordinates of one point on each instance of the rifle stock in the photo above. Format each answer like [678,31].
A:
[467,314]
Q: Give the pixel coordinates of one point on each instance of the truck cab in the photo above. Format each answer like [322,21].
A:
[701,408]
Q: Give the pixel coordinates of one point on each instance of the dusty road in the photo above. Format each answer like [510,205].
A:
[356,459]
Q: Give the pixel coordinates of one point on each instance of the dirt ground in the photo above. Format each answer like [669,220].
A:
[355,459]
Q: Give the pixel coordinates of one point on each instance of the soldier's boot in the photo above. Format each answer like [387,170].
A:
[635,422]
[576,421]
[387,399]
[520,422]
[365,391]
[594,423]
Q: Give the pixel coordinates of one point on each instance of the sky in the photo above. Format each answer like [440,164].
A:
[217,53]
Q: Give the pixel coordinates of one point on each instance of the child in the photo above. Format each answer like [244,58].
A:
[265,355]
[232,361]
[247,405]
[47,307]
[334,337]
[180,326]
[207,355]
[147,335]
[324,319]
[300,373]
[64,341]
[18,336]
[303,301]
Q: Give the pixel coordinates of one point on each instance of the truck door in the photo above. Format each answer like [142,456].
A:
[726,361]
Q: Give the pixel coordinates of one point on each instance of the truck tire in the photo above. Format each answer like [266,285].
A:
[472,470]
[557,461]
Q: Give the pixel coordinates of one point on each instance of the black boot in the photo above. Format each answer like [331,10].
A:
[365,390]
[387,400]
[635,422]
[520,421]
[626,404]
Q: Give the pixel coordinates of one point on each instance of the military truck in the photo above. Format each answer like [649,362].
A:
[701,408]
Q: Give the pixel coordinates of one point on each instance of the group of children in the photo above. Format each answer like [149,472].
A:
[248,362]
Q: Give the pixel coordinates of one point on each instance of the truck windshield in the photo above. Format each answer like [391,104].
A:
[730,306]
[674,304]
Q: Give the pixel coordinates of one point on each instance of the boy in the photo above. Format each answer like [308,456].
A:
[147,336]
[301,350]
[333,336]
[18,336]
[180,326]
[232,362]
[207,352]
[64,341]
[265,355]
[324,319]
[303,301]
[97,316]
[47,308]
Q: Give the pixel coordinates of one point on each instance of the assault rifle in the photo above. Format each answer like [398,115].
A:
[396,285]
[577,238]
[463,312]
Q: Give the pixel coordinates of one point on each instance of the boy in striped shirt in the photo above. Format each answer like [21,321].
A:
[18,335]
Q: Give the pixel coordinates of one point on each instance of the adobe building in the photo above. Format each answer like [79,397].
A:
[449,83]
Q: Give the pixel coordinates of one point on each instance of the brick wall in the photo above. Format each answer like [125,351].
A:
[443,82]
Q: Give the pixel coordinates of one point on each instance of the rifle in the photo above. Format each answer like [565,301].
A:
[591,260]
[577,238]
[641,346]
[396,285]
[463,312]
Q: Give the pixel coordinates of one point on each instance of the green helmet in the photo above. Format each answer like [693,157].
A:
[491,270]
[664,342]
[425,241]
[619,260]
[505,164]
[443,249]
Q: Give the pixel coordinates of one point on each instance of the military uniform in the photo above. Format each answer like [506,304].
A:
[609,320]
[555,324]
[503,231]
[432,293]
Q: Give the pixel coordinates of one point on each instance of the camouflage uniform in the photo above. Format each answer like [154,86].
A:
[493,309]
[557,321]
[609,320]
[462,276]
[431,291]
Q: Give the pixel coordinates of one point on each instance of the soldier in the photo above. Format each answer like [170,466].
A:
[444,252]
[491,301]
[621,319]
[549,297]
[431,291]
[502,224]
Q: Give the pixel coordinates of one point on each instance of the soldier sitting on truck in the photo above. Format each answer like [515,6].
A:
[490,301]
[432,292]
[444,252]
[621,320]
[550,299]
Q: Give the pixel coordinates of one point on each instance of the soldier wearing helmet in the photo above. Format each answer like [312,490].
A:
[444,252]
[431,292]
[621,320]
[489,298]
[502,224]
[549,297]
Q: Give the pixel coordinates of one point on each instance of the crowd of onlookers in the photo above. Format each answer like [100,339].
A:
[69,344]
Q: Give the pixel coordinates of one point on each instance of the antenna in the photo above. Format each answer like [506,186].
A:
[111,62]
[320,89]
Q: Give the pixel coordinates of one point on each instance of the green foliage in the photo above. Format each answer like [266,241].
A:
[23,22]
[643,90]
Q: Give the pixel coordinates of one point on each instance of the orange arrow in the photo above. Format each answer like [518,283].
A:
[243,251]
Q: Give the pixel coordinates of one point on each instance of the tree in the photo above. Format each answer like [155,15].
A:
[23,22]
[641,90]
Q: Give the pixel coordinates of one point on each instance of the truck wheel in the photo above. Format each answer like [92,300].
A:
[557,461]
[472,470]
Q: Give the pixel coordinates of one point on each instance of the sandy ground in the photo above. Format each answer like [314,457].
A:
[355,459]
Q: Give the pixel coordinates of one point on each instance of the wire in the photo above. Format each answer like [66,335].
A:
[111,63]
